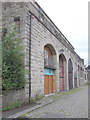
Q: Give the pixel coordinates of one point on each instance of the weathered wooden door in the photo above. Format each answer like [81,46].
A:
[61,79]
[46,84]
[70,74]
[48,81]
[50,84]
[75,75]
[61,68]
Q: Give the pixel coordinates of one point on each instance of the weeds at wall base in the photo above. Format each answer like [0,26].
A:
[12,106]
[18,104]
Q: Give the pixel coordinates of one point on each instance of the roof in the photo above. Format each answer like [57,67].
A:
[88,67]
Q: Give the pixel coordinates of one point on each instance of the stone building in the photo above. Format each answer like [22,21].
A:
[50,59]
[87,70]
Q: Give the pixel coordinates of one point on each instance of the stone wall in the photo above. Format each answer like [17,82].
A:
[41,36]
[10,11]
[35,34]
[13,96]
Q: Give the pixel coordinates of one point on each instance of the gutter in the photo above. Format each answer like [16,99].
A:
[30,58]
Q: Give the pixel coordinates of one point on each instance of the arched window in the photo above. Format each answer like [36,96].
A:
[48,56]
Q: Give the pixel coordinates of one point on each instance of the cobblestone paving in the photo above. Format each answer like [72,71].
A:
[74,105]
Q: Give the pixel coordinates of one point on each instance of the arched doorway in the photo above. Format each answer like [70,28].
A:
[49,68]
[62,61]
[78,75]
[70,74]
[75,75]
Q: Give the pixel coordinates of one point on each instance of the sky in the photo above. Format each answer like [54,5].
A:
[71,17]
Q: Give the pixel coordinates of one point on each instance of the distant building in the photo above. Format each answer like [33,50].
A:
[88,72]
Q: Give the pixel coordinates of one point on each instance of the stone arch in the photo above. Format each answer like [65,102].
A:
[70,74]
[49,68]
[49,56]
[51,48]
[62,72]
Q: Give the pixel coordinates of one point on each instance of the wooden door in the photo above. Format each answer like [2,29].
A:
[61,78]
[46,84]
[70,74]
[50,84]
[61,68]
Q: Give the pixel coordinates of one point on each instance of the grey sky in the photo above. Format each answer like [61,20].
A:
[71,17]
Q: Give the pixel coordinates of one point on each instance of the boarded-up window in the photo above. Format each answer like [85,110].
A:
[17,24]
[46,57]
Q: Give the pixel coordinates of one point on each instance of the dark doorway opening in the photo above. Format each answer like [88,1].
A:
[70,74]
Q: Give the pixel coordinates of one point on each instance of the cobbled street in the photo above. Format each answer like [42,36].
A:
[74,105]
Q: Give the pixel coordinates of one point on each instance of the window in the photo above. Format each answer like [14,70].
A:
[78,67]
[46,57]
[17,24]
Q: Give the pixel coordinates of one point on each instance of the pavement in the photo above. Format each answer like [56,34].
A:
[74,105]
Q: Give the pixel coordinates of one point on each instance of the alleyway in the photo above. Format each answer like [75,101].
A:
[74,105]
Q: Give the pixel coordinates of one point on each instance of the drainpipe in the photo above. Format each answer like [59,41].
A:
[30,59]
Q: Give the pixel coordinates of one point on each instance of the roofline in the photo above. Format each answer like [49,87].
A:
[53,23]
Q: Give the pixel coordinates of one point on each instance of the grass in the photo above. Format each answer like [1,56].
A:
[55,96]
[70,91]
[88,83]
[64,93]
[12,106]
[33,100]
